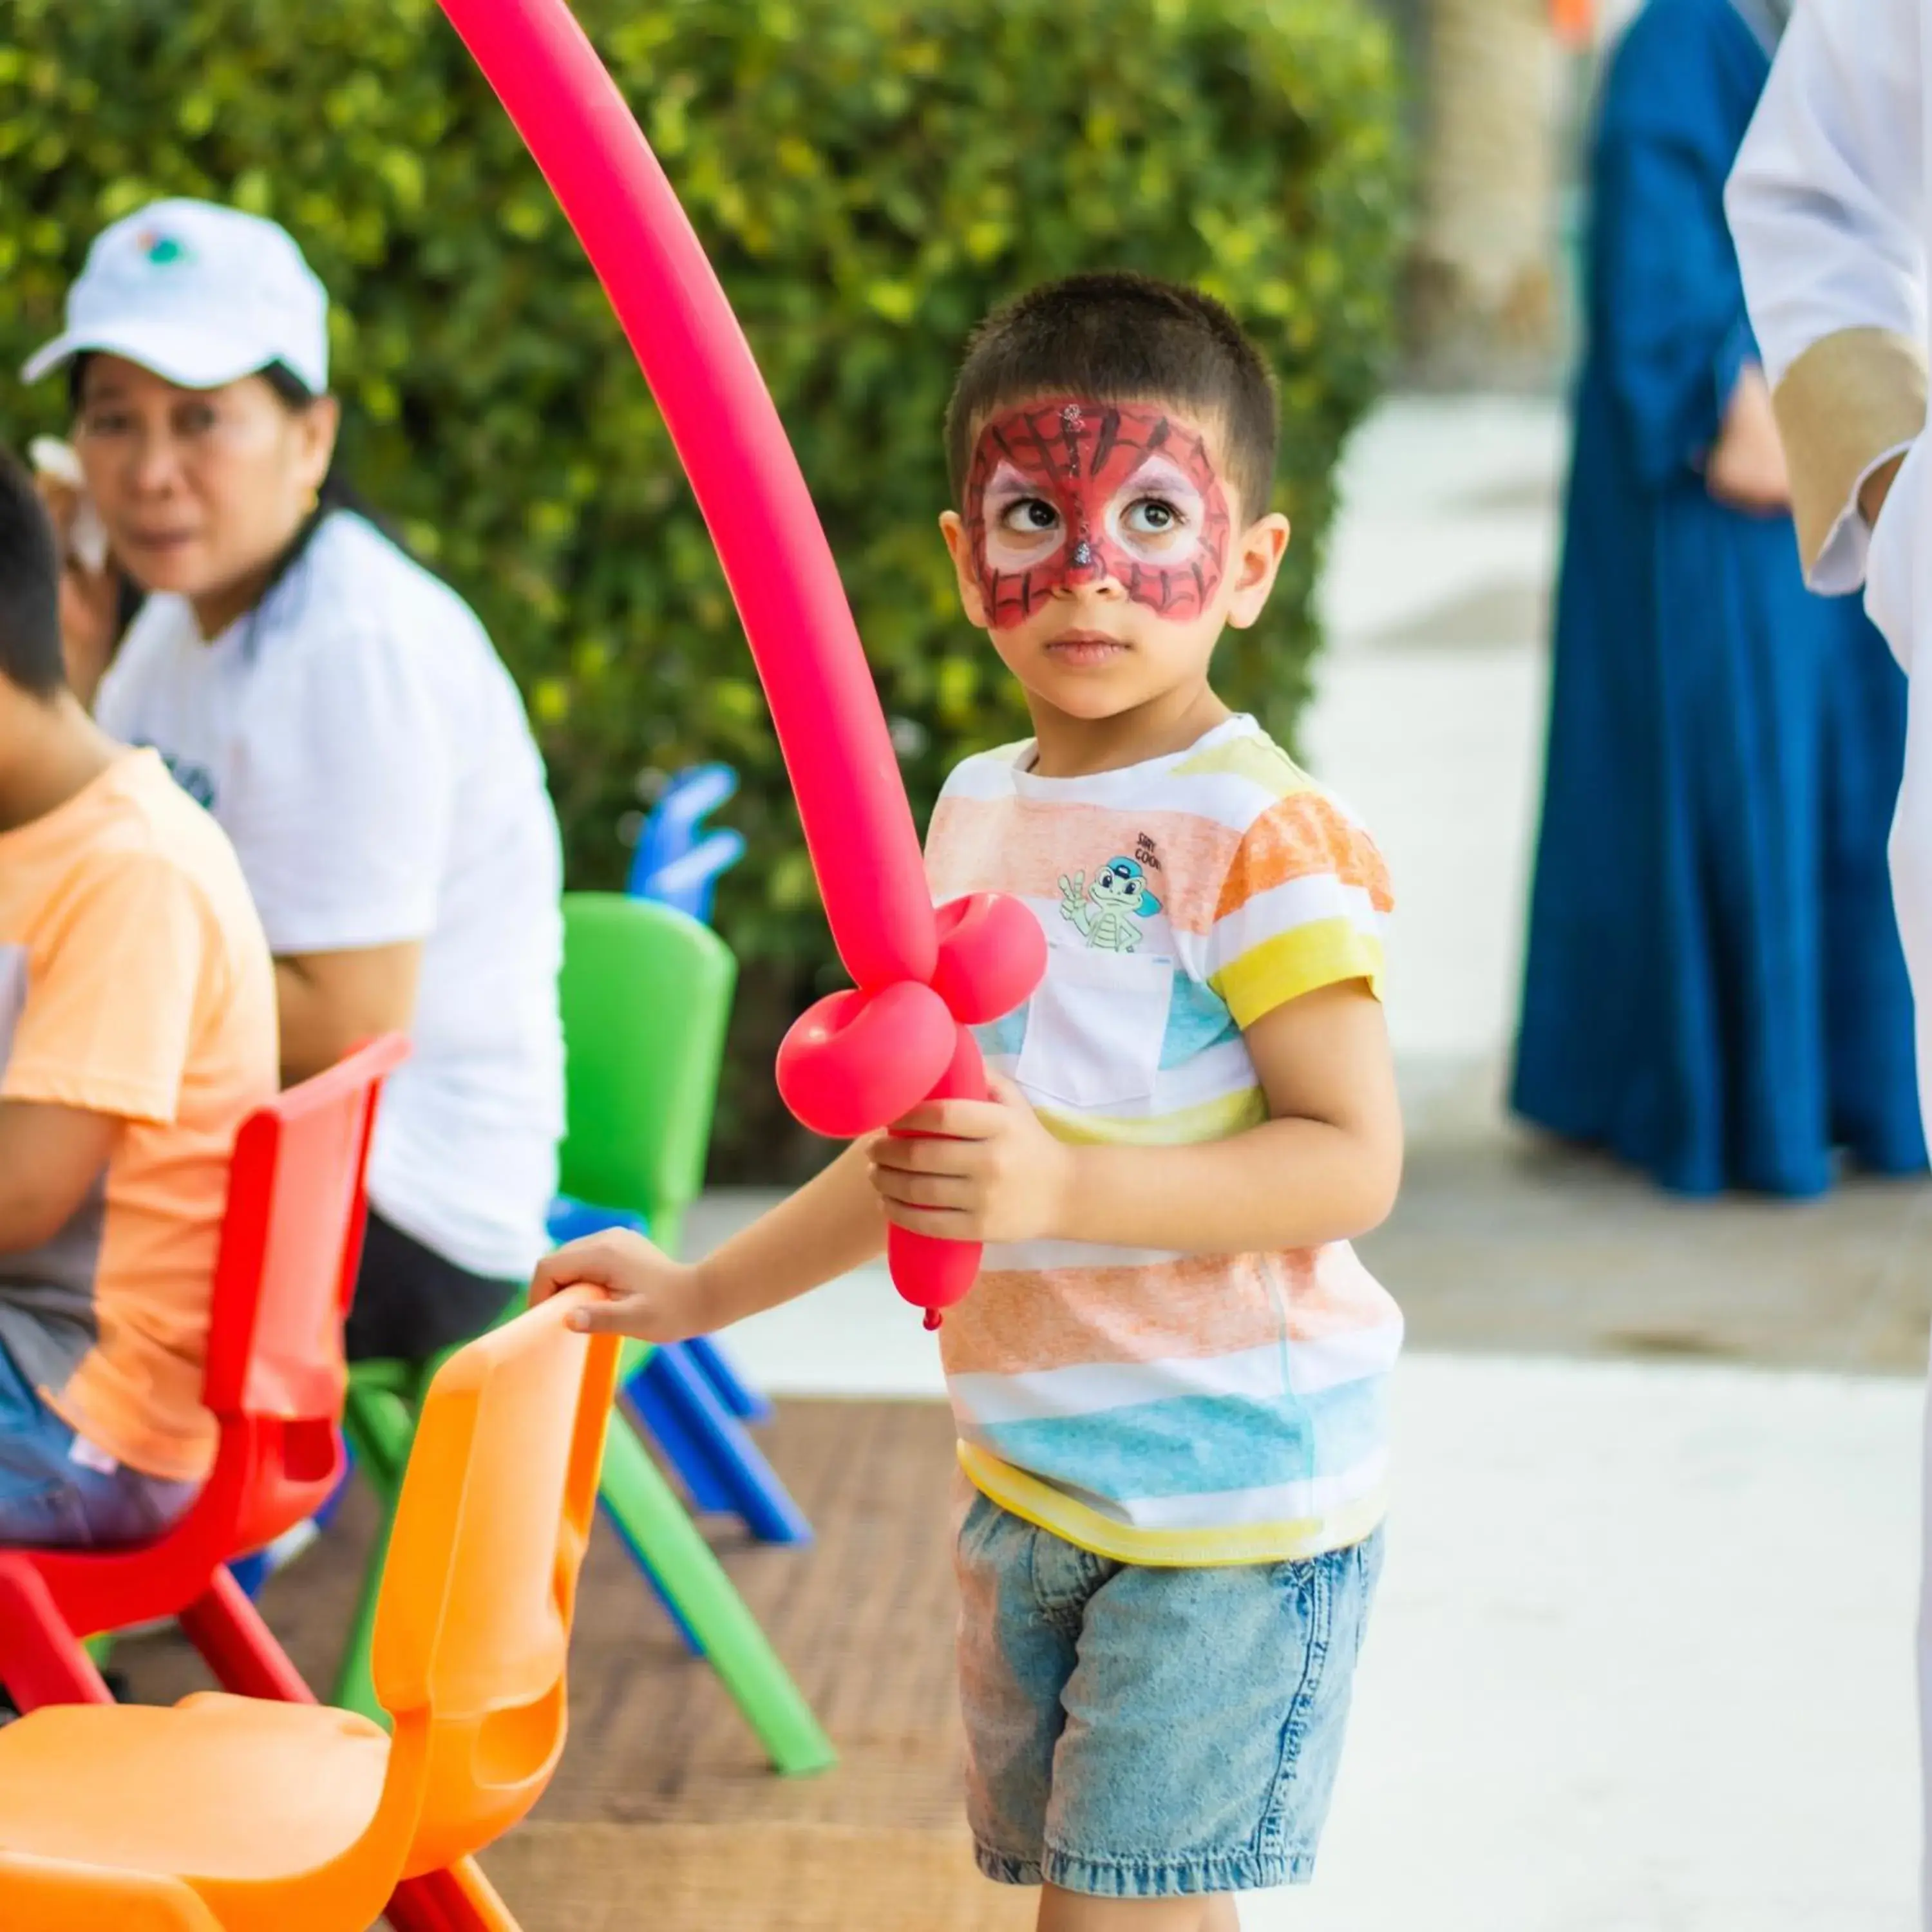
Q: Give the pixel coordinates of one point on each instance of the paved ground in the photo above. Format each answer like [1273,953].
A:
[1643,1660]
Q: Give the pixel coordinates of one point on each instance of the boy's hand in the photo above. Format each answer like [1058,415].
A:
[647,1295]
[995,1173]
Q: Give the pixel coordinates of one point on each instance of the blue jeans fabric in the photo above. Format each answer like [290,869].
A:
[1137,1732]
[48,1501]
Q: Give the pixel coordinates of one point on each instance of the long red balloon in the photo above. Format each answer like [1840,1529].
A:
[860,1060]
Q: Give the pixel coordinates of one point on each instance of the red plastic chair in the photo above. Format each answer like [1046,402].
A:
[291,1242]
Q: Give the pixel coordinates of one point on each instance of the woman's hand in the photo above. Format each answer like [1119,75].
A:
[646,1294]
[1747,468]
[90,600]
[991,1172]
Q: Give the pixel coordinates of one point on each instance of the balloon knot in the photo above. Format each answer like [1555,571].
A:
[933,1318]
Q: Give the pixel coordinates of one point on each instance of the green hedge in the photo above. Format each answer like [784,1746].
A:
[870,176]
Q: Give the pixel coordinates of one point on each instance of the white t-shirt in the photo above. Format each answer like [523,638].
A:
[361,744]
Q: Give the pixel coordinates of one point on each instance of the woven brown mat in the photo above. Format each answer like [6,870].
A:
[749,1878]
[863,1617]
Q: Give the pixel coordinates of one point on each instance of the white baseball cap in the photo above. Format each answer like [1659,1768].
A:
[200,294]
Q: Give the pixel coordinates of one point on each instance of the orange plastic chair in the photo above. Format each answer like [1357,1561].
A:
[291,1240]
[230,1814]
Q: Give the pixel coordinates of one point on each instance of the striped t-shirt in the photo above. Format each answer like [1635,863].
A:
[1156,1408]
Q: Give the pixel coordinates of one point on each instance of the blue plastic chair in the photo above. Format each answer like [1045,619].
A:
[678,860]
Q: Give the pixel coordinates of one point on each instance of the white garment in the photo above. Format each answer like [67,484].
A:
[1828,207]
[361,744]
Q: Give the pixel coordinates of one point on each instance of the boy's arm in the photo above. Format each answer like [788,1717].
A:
[51,1159]
[1324,1168]
[1825,205]
[102,1039]
[830,1226]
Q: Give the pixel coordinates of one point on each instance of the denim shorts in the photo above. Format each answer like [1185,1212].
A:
[1136,1732]
[50,1501]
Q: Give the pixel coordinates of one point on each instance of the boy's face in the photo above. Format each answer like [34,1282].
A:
[1100,547]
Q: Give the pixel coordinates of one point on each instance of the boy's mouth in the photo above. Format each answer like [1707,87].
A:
[1085,647]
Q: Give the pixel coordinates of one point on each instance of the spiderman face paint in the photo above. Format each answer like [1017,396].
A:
[1068,492]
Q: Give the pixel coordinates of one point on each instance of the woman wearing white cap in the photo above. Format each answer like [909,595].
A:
[343,715]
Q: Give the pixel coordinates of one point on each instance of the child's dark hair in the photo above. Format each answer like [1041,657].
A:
[30,579]
[1116,337]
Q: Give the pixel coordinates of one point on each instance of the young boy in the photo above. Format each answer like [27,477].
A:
[1169,1378]
[137,1028]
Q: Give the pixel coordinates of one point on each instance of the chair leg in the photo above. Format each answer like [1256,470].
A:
[654,1393]
[354,1688]
[224,1625]
[41,1661]
[653,1521]
[380,1428]
[731,1388]
[638,1556]
[708,1445]
[458,1899]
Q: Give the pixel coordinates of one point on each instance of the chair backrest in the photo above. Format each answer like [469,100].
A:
[291,1244]
[646,994]
[472,1625]
[675,824]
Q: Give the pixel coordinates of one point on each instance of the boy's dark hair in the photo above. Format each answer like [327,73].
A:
[1118,337]
[30,579]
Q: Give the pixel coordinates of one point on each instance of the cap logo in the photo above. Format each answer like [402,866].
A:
[163,251]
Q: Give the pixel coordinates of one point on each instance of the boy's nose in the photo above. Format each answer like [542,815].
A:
[1083,562]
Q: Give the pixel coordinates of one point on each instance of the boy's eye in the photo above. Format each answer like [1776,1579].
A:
[196,419]
[1152,517]
[1030,517]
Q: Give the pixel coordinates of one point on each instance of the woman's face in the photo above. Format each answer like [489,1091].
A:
[200,490]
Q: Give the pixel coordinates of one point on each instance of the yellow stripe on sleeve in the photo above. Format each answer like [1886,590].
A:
[1324,952]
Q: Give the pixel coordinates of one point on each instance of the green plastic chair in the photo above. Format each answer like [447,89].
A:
[646,993]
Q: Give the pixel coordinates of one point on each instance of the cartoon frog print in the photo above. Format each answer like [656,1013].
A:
[1106,912]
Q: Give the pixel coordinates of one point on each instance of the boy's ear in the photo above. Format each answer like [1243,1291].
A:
[971,600]
[1254,566]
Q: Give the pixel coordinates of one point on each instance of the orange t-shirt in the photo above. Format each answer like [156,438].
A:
[134,981]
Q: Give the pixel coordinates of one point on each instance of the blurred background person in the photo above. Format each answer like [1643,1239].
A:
[1714,989]
[343,715]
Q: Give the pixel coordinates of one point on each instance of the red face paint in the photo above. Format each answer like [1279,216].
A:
[1068,492]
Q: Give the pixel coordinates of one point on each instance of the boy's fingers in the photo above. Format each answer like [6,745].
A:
[591,1260]
[948,1224]
[605,1317]
[941,1154]
[550,1277]
[1004,1092]
[923,1190]
[955,1119]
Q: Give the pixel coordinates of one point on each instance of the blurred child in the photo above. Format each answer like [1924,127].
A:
[137,1028]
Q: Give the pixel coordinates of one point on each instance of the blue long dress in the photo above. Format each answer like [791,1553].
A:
[1714,989]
